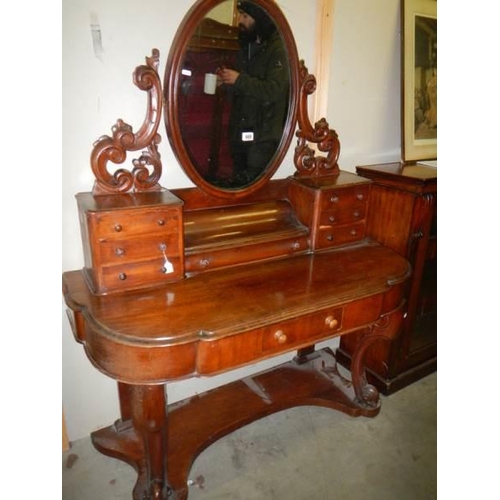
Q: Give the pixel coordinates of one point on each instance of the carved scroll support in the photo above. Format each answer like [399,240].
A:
[306,161]
[146,171]
[386,328]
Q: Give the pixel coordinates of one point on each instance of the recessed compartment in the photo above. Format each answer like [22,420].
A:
[231,235]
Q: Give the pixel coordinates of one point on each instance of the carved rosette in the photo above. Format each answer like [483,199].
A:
[146,171]
[306,163]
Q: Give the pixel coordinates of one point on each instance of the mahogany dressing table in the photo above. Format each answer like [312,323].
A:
[198,281]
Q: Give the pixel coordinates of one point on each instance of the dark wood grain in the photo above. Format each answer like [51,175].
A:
[403,216]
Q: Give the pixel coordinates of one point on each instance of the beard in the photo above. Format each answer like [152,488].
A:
[246,35]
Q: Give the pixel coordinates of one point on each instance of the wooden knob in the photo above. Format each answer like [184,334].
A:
[280,337]
[118,228]
[331,322]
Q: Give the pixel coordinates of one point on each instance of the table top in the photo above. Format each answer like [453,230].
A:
[217,305]
[229,301]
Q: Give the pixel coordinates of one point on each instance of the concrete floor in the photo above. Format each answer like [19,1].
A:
[301,453]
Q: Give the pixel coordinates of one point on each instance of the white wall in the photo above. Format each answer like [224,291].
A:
[97,90]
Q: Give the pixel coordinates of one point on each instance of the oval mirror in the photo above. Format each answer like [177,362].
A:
[231,92]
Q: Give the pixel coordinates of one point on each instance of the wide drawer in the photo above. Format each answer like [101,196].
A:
[123,224]
[345,197]
[344,215]
[330,236]
[127,276]
[294,332]
[216,355]
[118,251]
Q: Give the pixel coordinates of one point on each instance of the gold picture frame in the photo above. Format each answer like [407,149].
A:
[419,80]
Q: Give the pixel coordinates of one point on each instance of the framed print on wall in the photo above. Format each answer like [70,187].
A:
[419,80]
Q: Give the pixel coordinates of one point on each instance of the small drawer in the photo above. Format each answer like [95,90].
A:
[115,251]
[293,333]
[127,223]
[330,236]
[346,215]
[346,197]
[137,275]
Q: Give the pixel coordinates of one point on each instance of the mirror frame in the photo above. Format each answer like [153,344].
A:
[171,88]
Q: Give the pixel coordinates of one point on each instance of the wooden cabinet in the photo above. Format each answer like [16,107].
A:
[131,241]
[334,207]
[403,216]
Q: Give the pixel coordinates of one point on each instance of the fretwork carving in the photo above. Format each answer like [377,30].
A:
[306,163]
[146,170]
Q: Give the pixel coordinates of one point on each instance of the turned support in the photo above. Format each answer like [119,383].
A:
[149,419]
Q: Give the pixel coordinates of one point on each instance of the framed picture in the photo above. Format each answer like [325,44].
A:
[419,80]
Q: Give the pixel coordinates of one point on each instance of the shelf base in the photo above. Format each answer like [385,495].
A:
[197,422]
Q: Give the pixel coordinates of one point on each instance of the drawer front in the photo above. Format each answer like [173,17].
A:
[330,236]
[117,252]
[121,224]
[293,333]
[345,215]
[345,198]
[217,355]
[137,275]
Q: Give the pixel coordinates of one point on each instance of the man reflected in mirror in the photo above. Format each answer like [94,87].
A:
[259,86]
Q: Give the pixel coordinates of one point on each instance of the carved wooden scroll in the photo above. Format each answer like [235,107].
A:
[306,163]
[147,168]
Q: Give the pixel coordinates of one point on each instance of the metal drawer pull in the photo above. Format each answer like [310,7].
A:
[280,337]
[331,322]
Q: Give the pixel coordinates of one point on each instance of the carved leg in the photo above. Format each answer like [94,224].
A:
[386,328]
[149,418]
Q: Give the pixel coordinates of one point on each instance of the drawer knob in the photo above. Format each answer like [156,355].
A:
[280,337]
[118,228]
[360,197]
[161,222]
[329,237]
[119,252]
[334,199]
[122,276]
[331,322]
[331,218]
[356,214]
